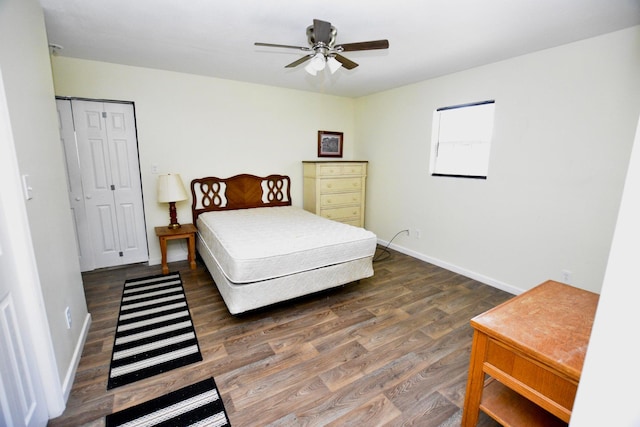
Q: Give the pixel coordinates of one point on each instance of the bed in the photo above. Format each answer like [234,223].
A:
[262,250]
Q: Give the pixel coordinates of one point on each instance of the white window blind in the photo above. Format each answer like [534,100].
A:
[461,140]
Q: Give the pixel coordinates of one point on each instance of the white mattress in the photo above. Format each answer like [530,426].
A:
[264,243]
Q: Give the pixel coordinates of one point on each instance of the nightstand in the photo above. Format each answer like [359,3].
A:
[186,231]
[531,348]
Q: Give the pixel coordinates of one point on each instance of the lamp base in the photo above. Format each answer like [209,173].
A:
[173,223]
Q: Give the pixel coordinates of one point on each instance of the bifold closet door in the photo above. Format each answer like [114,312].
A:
[107,152]
[76,196]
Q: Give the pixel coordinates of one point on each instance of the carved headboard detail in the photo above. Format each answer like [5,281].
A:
[239,192]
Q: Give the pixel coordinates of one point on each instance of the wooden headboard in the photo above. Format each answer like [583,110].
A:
[239,192]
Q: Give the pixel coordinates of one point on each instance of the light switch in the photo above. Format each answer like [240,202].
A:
[28,190]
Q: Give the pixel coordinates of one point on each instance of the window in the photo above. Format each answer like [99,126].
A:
[461,140]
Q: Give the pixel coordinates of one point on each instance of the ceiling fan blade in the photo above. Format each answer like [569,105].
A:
[299,61]
[371,45]
[322,31]
[282,45]
[346,63]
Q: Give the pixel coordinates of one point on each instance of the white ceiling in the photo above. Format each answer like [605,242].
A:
[427,38]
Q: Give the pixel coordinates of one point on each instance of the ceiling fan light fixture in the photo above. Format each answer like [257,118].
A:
[333,64]
[318,62]
[323,51]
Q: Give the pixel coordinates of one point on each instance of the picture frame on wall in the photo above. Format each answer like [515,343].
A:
[329,143]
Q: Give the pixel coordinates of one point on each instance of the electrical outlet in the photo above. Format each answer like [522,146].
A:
[417,233]
[67,314]
[566,276]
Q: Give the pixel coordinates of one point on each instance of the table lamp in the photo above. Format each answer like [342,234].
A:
[171,190]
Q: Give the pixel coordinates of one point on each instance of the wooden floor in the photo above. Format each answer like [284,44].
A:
[391,350]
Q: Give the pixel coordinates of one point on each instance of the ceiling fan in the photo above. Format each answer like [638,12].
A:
[323,51]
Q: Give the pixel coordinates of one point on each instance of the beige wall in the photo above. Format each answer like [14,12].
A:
[24,60]
[563,132]
[199,126]
[564,125]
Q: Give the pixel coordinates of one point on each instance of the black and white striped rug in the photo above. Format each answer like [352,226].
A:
[195,405]
[155,332]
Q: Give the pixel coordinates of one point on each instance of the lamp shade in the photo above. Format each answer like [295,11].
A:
[170,188]
[333,64]
[316,64]
[309,69]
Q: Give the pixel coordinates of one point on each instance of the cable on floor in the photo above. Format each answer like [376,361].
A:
[385,250]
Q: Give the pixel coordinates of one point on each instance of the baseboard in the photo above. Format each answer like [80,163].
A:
[75,360]
[455,268]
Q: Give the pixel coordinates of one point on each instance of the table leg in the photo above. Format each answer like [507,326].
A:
[163,249]
[192,251]
[475,382]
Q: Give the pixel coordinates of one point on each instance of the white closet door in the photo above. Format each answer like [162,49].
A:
[74,178]
[107,149]
[93,151]
[125,176]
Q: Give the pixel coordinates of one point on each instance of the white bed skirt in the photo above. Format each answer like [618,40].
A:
[249,296]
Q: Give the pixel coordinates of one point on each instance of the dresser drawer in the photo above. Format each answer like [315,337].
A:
[340,184]
[329,200]
[341,213]
[341,169]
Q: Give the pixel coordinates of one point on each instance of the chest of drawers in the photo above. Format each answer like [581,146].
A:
[336,190]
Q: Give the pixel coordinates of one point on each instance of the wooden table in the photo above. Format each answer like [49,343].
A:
[186,231]
[527,356]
